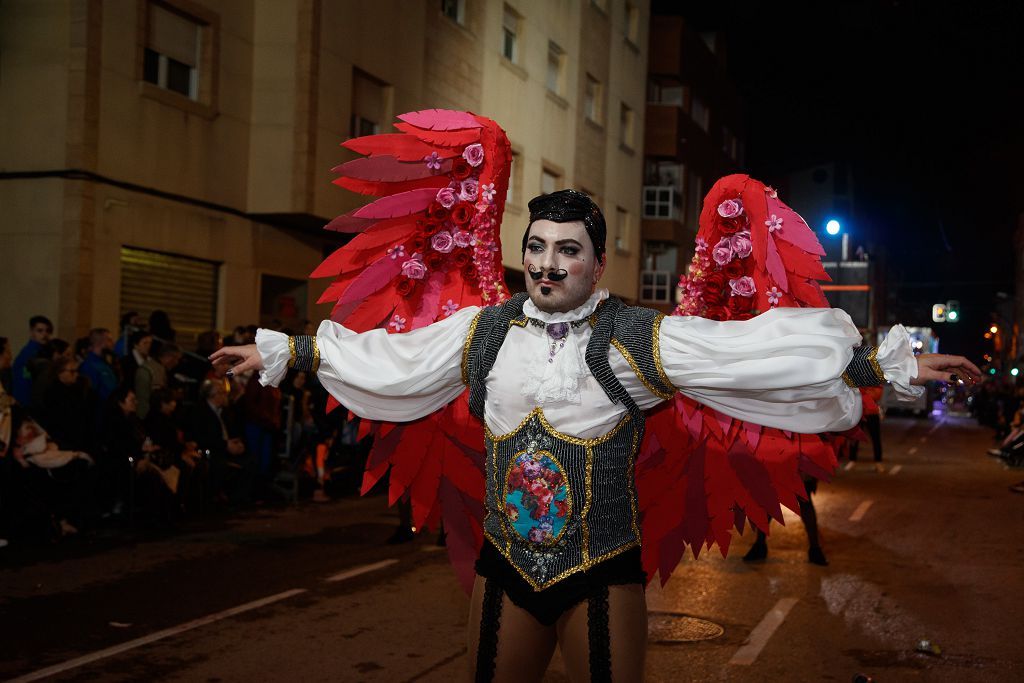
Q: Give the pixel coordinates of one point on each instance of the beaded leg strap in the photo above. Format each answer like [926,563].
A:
[864,370]
[305,353]
[490,622]
[599,638]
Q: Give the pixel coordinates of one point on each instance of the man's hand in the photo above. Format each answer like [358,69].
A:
[939,366]
[241,358]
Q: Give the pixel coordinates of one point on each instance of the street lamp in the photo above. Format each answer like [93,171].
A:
[833,227]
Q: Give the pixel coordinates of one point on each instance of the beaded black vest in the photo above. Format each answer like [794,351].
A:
[557,504]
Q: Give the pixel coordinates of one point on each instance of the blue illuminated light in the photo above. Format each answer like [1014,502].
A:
[833,227]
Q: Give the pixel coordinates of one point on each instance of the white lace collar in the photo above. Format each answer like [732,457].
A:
[580,313]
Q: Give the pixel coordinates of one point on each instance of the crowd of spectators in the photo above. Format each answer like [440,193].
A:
[140,429]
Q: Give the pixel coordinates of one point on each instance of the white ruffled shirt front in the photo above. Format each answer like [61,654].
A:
[779,369]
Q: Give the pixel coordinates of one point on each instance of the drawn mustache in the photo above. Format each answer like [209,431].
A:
[552,274]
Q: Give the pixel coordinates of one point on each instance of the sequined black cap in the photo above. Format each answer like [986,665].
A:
[566,206]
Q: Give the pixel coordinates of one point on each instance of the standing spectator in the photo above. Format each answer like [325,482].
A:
[160,326]
[808,515]
[261,407]
[152,375]
[96,366]
[68,409]
[872,423]
[43,370]
[239,337]
[40,330]
[139,344]
[130,322]
[195,366]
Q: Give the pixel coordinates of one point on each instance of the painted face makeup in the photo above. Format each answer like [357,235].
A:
[560,265]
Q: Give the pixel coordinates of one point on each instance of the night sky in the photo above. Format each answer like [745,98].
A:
[923,100]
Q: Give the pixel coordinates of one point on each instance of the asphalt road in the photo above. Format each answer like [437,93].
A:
[931,550]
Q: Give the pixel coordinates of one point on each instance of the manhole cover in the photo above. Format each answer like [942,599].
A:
[673,627]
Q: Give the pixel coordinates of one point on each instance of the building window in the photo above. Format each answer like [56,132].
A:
[656,286]
[626,124]
[632,26]
[510,35]
[660,202]
[699,112]
[550,181]
[623,229]
[171,57]
[515,179]
[592,99]
[369,104]
[556,67]
[670,94]
[454,10]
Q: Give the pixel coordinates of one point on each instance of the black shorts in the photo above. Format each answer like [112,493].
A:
[549,604]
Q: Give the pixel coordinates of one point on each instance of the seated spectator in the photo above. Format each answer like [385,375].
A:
[163,428]
[131,453]
[152,375]
[96,366]
[40,330]
[61,479]
[68,409]
[211,428]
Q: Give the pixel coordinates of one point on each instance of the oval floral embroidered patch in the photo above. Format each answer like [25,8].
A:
[537,502]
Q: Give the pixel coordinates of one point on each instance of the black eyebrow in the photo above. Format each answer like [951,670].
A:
[558,242]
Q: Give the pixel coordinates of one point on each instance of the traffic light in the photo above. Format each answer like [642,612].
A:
[939,313]
[952,311]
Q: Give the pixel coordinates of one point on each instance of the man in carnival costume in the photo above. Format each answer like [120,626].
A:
[562,377]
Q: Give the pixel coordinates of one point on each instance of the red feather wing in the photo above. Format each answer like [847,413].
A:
[700,473]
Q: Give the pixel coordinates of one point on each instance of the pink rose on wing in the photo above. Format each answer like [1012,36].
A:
[442,242]
[462,239]
[742,286]
[414,268]
[474,154]
[730,208]
[446,197]
[722,253]
[741,245]
[468,190]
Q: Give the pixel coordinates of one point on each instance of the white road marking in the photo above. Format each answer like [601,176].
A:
[937,425]
[758,638]
[896,469]
[356,571]
[912,451]
[923,439]
[849,465]
[861,510]
[153,637]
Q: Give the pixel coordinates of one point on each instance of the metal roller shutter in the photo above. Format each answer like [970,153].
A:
[186,288]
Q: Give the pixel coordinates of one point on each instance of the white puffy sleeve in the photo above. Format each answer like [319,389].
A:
[381,376]
[780,369]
